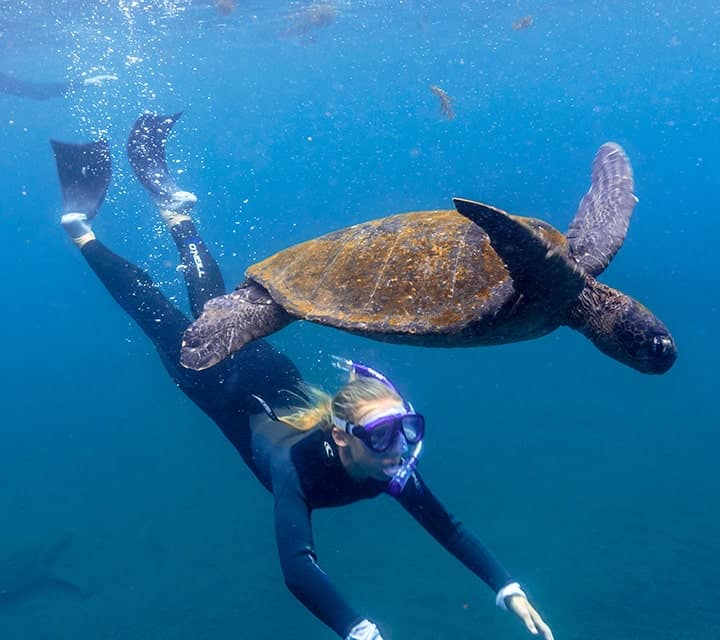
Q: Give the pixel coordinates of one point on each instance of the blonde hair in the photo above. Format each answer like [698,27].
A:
[319,407]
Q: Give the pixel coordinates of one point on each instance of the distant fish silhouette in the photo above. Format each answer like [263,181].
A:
[30,571]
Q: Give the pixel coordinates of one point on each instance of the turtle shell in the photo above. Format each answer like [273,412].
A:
[423,272]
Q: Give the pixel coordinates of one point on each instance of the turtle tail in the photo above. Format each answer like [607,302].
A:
[228,323]
[623,328]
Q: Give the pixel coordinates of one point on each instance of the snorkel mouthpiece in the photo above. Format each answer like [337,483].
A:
[399,480]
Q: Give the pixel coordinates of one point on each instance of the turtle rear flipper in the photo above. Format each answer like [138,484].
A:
[539,270]
[598,230]
[84,171]
[228,323]
[146,151]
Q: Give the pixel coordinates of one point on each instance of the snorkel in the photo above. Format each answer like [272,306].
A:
[402,475]
[399,480]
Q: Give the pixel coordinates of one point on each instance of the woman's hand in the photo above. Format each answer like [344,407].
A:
[364,630]
[520,606]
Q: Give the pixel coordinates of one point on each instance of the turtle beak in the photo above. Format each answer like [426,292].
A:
[646,342]
[662,354]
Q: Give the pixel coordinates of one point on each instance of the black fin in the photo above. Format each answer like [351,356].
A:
[538,272]
[84,171]
[601,222]
[146,151]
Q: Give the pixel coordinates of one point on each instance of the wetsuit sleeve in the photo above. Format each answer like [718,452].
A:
[452,534]
[303,576]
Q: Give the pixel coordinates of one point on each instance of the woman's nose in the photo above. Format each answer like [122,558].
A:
[399,444]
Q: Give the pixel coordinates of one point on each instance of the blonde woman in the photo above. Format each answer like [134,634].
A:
[363,442]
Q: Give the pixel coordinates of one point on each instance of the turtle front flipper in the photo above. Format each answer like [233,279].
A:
[598,230]
[228,323]
[539,270]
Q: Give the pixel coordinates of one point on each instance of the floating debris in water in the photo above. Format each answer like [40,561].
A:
[225,7]
[308,20]
[522,23]
[446,101]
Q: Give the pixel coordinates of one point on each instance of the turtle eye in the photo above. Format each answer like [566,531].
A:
[662,345]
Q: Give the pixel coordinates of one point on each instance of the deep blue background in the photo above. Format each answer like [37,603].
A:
[595,484]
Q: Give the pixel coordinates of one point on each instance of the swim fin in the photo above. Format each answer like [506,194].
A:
[84,171]
[146,151]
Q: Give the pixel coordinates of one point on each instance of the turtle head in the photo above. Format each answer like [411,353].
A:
[623,328]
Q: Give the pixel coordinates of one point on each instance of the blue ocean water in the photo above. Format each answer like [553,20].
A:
[593,483]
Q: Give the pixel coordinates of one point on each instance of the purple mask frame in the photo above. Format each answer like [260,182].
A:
[399,480]
[410,425]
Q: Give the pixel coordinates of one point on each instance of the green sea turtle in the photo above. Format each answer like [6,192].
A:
[474,276]
[26,572]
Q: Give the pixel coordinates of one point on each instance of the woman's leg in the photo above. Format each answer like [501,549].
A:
[223,392]
[146,152]
[140,298]
[259,368]
[84,171]
[200,271]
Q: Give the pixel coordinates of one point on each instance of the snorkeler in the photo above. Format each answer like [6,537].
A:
[360,443]
[12,85]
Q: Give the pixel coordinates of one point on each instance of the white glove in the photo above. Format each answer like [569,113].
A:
[512,589]
[364,630]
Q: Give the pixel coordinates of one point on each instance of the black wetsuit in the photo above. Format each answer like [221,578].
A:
[36,90]
[301,469]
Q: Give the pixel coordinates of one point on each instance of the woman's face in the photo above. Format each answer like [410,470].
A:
[362,462]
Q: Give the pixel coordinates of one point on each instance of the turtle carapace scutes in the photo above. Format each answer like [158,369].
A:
[451,278]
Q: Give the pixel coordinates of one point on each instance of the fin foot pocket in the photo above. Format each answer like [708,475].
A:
[76,225]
